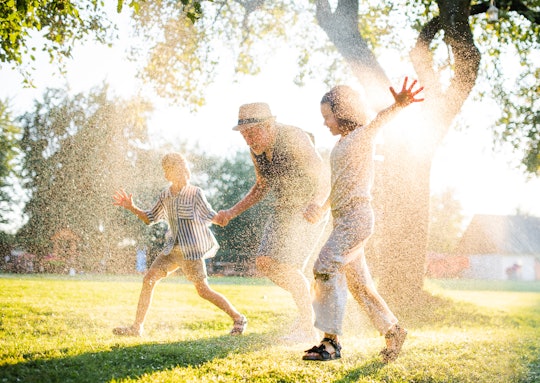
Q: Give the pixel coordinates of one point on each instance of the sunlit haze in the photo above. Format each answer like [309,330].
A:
[484,181]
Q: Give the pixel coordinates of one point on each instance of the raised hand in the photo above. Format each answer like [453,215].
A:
[121,198]
[407,95]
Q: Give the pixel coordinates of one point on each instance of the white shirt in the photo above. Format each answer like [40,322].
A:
[352,168]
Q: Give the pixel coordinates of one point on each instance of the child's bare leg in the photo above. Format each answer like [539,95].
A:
[151,278]
[206,292]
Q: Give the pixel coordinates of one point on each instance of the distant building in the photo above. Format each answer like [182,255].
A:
[502,247]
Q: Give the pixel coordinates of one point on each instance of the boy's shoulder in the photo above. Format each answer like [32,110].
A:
[191,188]
[164,193]
[190,191]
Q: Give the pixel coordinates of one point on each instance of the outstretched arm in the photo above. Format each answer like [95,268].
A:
[255,194]
[404,98]
[125,200]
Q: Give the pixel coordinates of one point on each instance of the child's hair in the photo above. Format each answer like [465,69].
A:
[346,106]
[176,160]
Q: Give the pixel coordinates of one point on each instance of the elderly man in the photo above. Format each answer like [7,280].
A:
[287,164]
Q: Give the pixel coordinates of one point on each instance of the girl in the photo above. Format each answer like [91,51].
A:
[341,262]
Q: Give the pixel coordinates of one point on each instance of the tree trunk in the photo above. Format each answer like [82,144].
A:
[341,26]
[401,204]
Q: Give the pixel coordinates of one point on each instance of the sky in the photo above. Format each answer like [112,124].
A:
[483,180]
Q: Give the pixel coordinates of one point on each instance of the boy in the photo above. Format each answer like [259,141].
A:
[185,208]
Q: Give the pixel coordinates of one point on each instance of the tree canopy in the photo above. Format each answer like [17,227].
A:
[181,38]
[28,27]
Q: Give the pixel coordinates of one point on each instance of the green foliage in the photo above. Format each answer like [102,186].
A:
[519,124]
[231,38]
[58,329]
[78,150]
[7,242]
[58,24]
[178,54]
[9,150]
[510,49]
[191,8]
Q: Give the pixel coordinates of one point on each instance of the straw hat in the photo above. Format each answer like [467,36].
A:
[250,115]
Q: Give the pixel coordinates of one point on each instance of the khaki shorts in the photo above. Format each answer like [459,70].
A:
[169,263]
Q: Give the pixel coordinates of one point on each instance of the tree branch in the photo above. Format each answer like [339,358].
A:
[453,21]
[341,27]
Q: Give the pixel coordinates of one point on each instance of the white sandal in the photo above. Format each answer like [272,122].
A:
[128,331]
[239,326]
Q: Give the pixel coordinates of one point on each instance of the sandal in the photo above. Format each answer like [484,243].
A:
[239,326]
[394,341]
[321,353]
[128,331]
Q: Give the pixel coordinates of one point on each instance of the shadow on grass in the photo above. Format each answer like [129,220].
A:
[123,362]
[533,373]
[368,369]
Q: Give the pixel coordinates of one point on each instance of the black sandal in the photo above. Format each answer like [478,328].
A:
[320,353]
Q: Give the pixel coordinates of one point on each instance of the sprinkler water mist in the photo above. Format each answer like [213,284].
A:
[492,13]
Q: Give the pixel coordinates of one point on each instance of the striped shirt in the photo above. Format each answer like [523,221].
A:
[189,216]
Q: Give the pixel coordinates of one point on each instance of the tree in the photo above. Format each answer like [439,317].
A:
[77,151]
[403,183]
[9,150]
[450,42]
[9,135]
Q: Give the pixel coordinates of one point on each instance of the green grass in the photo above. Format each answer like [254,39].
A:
[58,329]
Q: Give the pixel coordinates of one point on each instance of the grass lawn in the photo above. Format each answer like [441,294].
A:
[58,329]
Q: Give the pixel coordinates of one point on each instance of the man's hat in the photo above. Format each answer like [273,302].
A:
[250,115]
